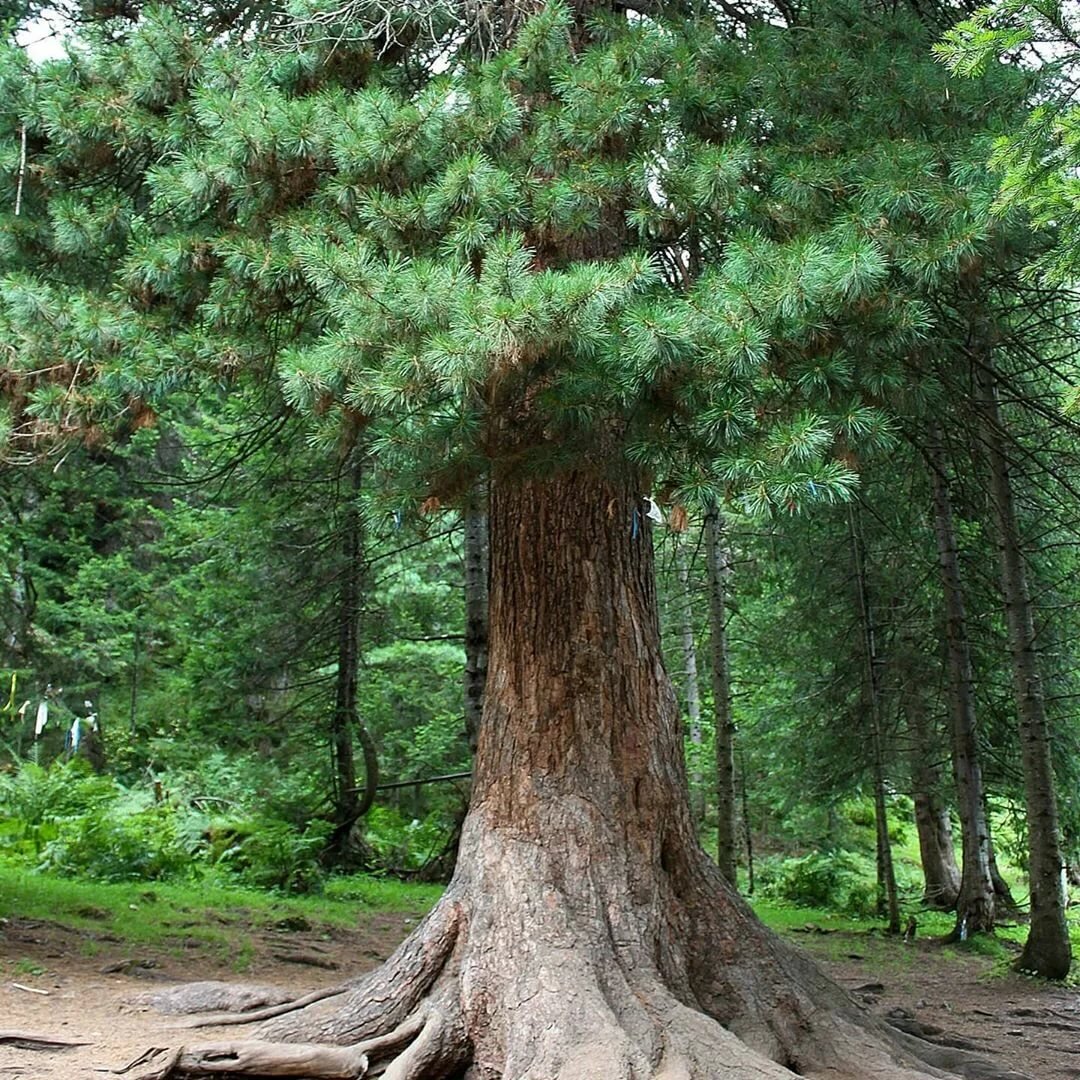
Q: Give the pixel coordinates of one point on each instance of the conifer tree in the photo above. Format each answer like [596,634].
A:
[594,253]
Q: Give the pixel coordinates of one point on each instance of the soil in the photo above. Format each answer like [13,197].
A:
[92,985]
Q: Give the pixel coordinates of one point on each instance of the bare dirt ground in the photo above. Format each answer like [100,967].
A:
[90,997]
[90,983]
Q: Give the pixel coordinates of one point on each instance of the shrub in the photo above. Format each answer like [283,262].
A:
[36,795]
[838,880]
[117,846]
[404,843]
[271,854]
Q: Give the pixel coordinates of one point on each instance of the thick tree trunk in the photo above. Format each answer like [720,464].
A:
[717,562]
[941,875]
[1047,950]
[975,906]
[691,690]
[476,612]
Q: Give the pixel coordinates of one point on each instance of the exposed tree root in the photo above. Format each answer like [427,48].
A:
[28,1040]
[254,1016]
[930,1033]
[210,996]
[379,1001]
[958,1062]
[429,1045]
[263,1059]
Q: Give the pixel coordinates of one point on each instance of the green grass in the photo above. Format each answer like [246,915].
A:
[887,954]
[380,894]
[787,917]
[213,917]
[844,938]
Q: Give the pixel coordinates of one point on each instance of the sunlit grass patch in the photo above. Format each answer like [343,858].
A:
[213,917]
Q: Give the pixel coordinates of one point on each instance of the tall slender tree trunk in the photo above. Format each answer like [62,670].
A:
[476,611]
[1004,901]
[975,905]
[716,561]
[349,804]
[748,834]
[585,934]
[941,875]
[691,690]
[1047,950]
[888,897]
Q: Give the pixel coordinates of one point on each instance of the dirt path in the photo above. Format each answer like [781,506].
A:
[1032,1026]
[90,984]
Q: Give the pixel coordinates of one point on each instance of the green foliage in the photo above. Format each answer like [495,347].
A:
[1036,156]
[268,854]
[119,845]
[839,881]
[65,821]
[405,843]
[36,795]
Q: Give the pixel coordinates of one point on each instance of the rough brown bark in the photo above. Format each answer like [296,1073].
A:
[717,563]
[585,934]
[975,905]
[941,875]
[1047,951]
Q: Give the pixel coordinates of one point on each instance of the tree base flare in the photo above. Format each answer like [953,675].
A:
[468,997]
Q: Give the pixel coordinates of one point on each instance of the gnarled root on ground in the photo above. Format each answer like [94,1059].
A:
[256,1016]
[221,997]
[429,1044]
[29,1040]
[415,965]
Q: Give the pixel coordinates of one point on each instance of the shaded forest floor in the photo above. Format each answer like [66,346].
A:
[91,978]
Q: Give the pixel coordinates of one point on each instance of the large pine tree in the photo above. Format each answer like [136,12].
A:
[535,243]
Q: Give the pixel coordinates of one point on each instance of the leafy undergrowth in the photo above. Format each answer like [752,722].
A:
[67,821]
